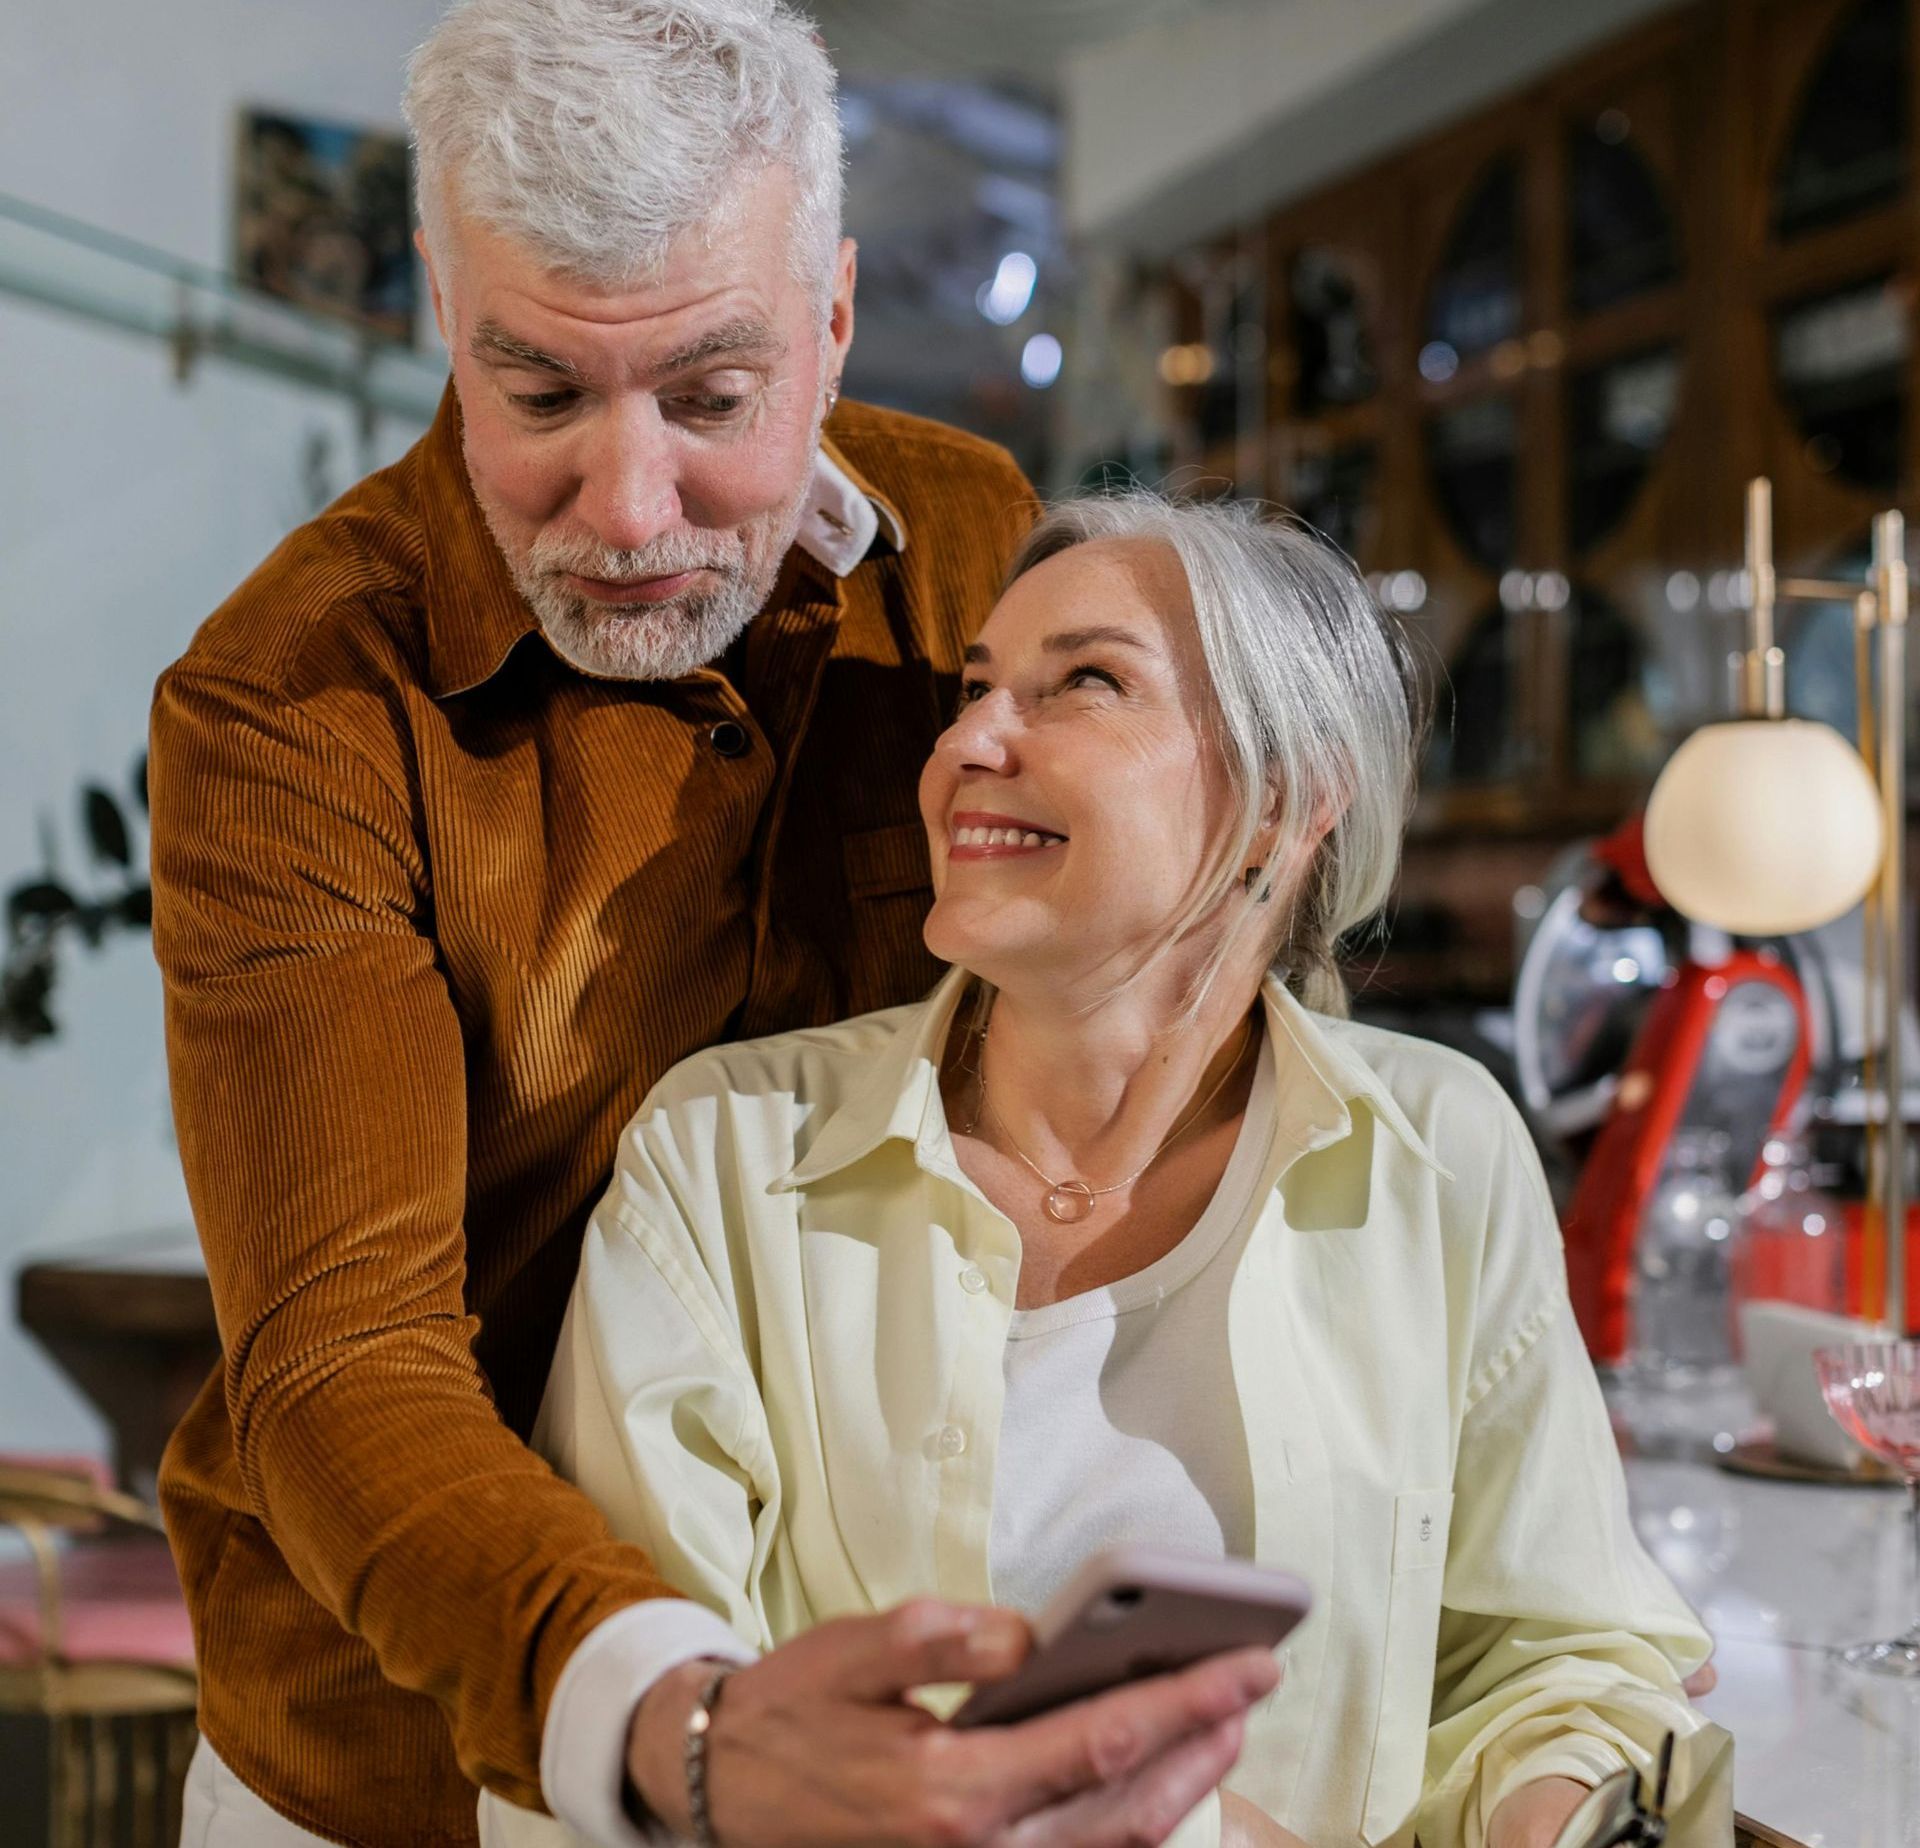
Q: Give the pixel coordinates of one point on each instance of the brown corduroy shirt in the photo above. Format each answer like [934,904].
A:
[434,911]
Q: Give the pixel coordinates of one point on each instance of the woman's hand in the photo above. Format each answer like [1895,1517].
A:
[1244,1826]
[1534,1815]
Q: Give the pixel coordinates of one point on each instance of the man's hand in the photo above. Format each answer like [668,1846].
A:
[1243,1825]
[815,1744]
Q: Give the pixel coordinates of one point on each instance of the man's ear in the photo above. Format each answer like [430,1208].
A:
[840,310]
[434,293]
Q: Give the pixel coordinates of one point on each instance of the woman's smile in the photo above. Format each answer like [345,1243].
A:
[1081,762]
[978,835]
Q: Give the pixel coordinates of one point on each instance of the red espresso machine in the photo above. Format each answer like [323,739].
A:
[1630,1026]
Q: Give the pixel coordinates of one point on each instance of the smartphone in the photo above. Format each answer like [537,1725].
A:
[1135,1611]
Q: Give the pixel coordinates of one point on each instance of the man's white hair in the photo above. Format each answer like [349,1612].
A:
[593,133]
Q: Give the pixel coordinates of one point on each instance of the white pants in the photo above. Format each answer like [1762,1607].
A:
[221,1812]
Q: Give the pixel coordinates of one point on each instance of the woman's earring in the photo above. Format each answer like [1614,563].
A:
[1256,889]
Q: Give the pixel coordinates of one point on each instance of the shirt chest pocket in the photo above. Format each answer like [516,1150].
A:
[1408,1644]
[889,892]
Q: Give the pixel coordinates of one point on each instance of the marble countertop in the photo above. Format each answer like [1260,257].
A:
[1785,1575]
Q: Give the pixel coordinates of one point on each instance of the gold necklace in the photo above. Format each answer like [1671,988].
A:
[1070,1201]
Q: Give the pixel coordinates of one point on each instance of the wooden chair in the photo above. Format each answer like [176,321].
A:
[94,1639]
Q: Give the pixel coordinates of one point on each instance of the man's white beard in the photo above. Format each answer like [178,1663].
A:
[655,641]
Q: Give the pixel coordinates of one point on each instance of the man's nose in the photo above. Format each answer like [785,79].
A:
[629,490]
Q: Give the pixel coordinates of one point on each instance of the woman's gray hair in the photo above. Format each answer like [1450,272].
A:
[595,132]
[1318,700]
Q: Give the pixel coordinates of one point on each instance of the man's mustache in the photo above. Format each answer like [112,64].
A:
[666,556]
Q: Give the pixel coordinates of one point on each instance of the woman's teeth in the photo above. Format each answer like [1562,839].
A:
[1004,837]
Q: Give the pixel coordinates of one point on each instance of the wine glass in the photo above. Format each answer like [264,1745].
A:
[1872,1388]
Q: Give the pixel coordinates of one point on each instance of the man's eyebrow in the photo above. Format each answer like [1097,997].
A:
[492,341]
[738,339]
[1066,641]
[745,338]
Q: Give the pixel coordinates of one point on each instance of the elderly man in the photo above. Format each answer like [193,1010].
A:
[581,738]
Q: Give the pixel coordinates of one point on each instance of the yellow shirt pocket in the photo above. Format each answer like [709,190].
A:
[1407,1649]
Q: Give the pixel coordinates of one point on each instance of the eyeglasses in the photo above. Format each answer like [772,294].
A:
[1619,1814]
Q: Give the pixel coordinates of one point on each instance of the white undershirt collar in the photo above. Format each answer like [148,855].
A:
[839,522]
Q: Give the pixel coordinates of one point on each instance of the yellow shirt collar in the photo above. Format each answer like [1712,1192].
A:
[1318,1079]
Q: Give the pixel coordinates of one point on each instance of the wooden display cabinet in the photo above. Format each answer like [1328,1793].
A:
[1335,404]
[1530,361]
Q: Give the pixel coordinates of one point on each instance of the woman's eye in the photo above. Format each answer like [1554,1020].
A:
[972,691]
[543,403]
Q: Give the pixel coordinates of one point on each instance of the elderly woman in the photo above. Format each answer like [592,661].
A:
[1124,1233]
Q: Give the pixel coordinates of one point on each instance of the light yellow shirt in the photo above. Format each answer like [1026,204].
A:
[781,1376]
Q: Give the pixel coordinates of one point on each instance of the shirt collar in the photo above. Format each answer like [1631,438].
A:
[899,1098]
[1318,1079]
[1334,1075]
[842,517]
[475,613]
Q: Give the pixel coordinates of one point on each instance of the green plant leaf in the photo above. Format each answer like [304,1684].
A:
[40,898]
[107,827]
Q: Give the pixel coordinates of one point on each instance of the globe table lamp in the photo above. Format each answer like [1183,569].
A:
[1762,825]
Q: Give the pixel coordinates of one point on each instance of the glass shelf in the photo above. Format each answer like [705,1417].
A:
[1474,738]
[1474,303]
[1472,472]
[1335,492]
[1331,335]
[1234,320]
[1613,692]
[1841,362]
[1618,417]
[1621,237]
[200,313]
[1848,150]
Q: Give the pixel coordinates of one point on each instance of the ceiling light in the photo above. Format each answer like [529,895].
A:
[1040,361]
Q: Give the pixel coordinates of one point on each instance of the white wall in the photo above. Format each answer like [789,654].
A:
[129,506]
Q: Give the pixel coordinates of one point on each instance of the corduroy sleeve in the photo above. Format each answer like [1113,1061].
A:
[318,1088]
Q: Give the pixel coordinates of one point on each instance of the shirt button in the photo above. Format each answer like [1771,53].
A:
[973,1280]
[729,739]
[950,1441]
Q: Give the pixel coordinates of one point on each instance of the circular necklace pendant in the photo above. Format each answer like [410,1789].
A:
[1069,1203]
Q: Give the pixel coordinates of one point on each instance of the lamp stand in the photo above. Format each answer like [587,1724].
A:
[1889,899]
[1880,630]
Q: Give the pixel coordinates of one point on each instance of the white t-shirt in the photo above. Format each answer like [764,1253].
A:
[1121,1422]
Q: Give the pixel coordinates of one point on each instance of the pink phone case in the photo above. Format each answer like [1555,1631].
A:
[1135,1611]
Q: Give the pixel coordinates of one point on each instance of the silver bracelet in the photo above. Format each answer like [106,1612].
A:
[694,1753]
